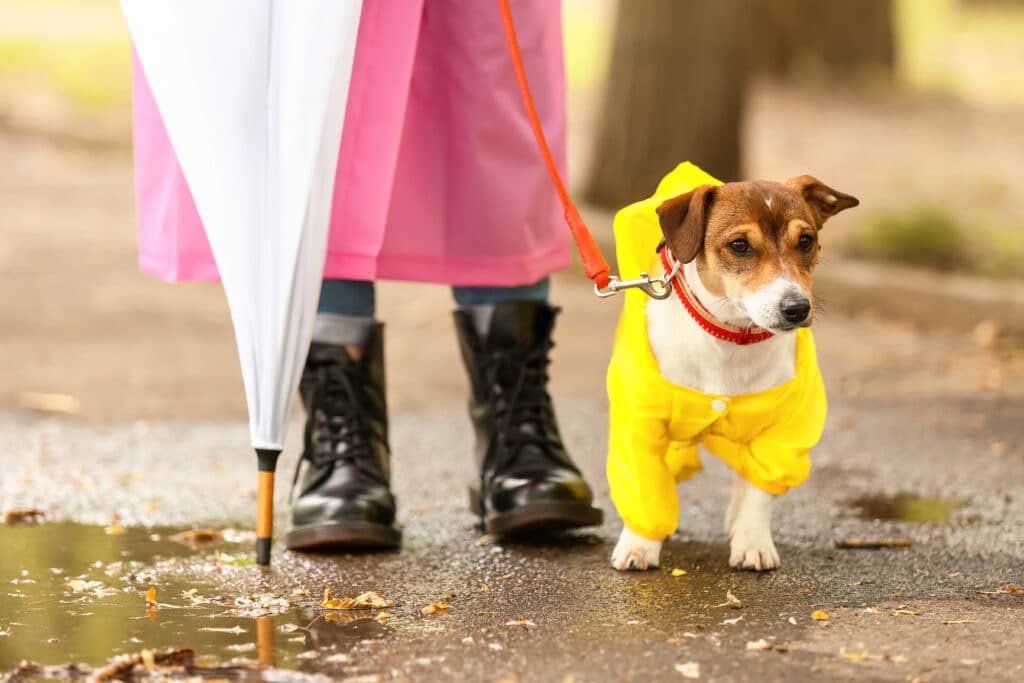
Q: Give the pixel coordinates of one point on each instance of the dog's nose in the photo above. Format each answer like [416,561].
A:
[795,308]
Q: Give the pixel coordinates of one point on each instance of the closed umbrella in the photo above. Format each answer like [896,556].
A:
[253,94]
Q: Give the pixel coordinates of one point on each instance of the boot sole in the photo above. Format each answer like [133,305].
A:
[343,537]
[537,518]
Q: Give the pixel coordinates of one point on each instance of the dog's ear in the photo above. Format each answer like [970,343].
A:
[683,220]
[823,201]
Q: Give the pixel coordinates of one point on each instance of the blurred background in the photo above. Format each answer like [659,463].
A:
[914,106]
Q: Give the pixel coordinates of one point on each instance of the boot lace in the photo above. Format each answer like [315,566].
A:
[522,411]
[343,431]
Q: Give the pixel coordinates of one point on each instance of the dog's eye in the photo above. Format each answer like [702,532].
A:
[806,242]
[741,248]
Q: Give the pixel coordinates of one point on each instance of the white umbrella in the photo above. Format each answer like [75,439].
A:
[253,94]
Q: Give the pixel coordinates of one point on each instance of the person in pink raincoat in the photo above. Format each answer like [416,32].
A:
[438,180]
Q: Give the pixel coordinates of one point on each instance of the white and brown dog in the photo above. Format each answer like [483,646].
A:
[748,251]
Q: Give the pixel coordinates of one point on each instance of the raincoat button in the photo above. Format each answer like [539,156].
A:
[718,405]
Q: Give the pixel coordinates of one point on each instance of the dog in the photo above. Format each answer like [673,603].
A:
[726,362]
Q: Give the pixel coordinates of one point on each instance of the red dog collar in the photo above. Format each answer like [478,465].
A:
[730,333]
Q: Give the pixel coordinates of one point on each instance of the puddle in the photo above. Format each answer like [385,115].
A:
[905,507]
[76,593]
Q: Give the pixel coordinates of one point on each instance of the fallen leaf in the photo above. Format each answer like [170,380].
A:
[368,600]
[382,617]
[853,656]
[435,608]
[760,644]
[730,601]
[986,334]
[872,544]
[27,517]
[48,403]
[151,596]
[198,538]
[689,669]
[484,587]
[113,530]
[872,610]
[818,615]
[236,629]
[524,623]
[678,572]
[1013,590]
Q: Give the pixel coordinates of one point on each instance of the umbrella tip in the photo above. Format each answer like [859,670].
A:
[263,552]
[266,459]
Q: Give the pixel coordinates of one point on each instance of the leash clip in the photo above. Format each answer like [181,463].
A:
[644,283]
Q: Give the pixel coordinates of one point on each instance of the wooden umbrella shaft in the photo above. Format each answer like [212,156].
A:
[267,462]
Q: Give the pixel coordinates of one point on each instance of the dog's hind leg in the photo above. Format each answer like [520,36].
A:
[750,534]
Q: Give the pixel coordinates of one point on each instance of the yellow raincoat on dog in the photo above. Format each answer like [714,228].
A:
[656,426]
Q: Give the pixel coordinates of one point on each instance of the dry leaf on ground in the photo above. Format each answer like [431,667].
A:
[523,623]
[368,600]
[151,596]
[435,608]
[236,629]
[113,530]
[27,517]
[818,615]
[198,537]
[43,402]
[678,572]
[689,669]
[853,656]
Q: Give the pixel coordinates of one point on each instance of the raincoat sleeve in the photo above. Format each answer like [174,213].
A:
[778,458]
[643,487]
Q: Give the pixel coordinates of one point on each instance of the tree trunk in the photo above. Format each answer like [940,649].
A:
[674,92]
[835,37]
[679,69]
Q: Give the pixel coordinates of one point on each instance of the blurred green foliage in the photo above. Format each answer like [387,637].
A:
[926,236]
[933,237]
[89,73]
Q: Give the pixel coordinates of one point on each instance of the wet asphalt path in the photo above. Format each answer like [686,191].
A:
[587,622]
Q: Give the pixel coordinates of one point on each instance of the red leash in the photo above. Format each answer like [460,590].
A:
[593,262]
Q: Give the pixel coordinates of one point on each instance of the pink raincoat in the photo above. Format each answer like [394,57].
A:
[438,177]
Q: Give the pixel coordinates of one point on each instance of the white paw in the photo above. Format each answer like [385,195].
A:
[635,552]
[753,548]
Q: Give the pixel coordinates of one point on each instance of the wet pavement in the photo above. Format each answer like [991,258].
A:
[544,611]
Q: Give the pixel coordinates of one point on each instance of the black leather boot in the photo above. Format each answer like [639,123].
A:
[527,481]
[344,499]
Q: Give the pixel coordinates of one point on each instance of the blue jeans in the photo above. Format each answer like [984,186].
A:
[358,298]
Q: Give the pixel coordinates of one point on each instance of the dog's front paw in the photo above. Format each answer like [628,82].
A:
[753,549]
[635,552]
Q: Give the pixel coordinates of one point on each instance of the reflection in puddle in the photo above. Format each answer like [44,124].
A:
[907,508]
[73,593]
